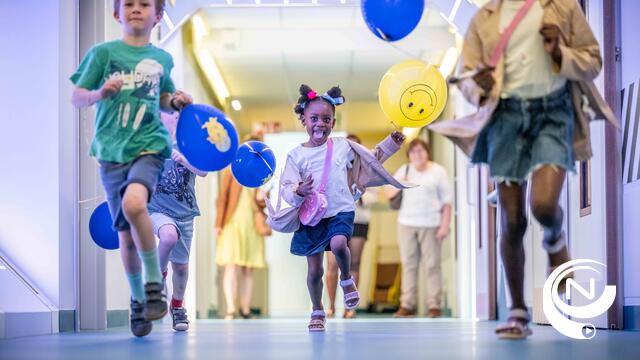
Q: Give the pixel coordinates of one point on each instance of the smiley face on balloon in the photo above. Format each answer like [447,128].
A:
[418,102]
[412,93]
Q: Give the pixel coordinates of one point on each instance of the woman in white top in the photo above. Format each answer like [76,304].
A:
[423,223]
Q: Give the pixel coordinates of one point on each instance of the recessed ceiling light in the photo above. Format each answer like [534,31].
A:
[235,104]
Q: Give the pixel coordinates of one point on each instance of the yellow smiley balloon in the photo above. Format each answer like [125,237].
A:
[412,93]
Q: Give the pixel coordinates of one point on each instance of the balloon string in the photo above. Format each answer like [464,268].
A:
[388,41]
[272,170]
[395,126]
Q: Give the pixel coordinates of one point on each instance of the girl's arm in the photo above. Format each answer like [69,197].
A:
[389,146]
[291,180]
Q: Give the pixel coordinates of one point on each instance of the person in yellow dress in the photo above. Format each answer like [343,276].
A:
[240,245]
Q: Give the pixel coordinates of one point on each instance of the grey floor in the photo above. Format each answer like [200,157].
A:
[353,339]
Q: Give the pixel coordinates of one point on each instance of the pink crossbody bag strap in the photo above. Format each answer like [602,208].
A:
[497,52]
[327,167]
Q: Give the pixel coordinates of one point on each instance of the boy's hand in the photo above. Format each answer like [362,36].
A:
[110,88]
[178,157]
[550,35]
[398,137]
[305,187]
[180,100]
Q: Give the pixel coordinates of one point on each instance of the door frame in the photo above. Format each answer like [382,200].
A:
[613,183]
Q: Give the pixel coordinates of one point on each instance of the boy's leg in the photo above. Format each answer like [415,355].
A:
[169,235]
[133,268]
[141,181]
[179,257]
[332,282]
[180,278]
[178,312]
[180,234]
[134,205]
[132,265]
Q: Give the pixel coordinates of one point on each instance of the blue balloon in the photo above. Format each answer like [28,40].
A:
[391,20]
[254,165]
[206,137]
[101,228]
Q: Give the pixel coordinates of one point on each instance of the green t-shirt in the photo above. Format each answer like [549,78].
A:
[128,123]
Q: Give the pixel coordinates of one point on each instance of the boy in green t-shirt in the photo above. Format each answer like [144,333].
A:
[130,81]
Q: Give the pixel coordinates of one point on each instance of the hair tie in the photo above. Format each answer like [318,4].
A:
[312,95]
[335,101]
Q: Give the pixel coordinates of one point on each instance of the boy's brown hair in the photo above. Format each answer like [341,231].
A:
[159,6]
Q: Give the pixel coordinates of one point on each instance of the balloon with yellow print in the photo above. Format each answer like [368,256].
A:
[412,93]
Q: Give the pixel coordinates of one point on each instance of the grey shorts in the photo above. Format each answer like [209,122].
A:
[180,253]
[145,170]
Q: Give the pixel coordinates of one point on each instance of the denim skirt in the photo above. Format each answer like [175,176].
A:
[524,134]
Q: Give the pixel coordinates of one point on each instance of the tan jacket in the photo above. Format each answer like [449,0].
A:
[581,63]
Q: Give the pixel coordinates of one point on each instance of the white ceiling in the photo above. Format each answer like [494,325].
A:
[265,52]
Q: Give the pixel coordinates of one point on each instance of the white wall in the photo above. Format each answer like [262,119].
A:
[630,27]
[37,200]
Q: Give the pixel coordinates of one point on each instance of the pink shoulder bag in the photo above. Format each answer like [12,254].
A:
[316,204]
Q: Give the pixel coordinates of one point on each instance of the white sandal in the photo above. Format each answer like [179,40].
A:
[354,295]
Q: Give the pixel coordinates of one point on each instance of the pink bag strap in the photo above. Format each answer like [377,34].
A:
[497,52]
[327,166]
